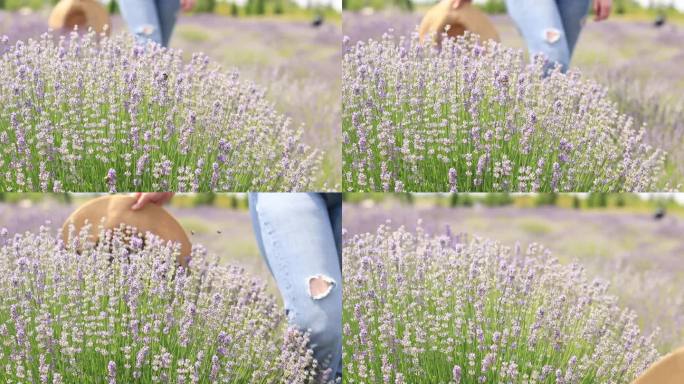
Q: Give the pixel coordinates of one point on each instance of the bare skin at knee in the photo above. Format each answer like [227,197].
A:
[320,286]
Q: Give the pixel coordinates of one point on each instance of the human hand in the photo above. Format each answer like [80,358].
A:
[457,3]
[602,9]
[187,5]
[144,198]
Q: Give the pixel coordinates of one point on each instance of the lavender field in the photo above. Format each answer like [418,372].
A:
[640,257]
[296,65]
[634,61]
[119,312]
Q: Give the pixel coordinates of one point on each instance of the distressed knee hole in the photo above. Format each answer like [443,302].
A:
[551,35]
[320,286]
[146,30]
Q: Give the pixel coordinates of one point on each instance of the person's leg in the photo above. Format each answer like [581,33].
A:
[296,238]
[541,26]
[334,202]
[168,14]
[142,19]
[573,13]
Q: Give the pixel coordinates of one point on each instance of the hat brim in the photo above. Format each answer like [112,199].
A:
[668,370]
[442,17]
[111,211]
[85,13]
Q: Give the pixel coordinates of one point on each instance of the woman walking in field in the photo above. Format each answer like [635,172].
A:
[300,238]
[552,27]
[153,19]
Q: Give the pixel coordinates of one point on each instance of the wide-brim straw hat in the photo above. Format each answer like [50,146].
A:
[112,211]
[465,17]
[82,13]
[668,370]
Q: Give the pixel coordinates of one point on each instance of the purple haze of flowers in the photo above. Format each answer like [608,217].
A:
[78,110]
[109,312]
[412,113]
[438,309]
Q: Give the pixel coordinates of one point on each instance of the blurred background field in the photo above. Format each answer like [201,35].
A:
[290,48]
[219,222]
[636,54]
[636,242]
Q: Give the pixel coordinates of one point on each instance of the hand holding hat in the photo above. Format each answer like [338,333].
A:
[459,16]
[116,210]
[82,13]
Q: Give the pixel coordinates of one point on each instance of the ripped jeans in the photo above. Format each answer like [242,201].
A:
[150,19]
[299,235]
[550,27]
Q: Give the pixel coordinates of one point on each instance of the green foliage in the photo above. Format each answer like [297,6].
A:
[453,200]
[113,7]
[406,198]
[576,202]
[260,7]
[15,5]
[205,6]
[497,199]
[204,199]
[490,199]
[544,199]
[278,7]
[234,11]
[494,6]
[357,5]
[597,200]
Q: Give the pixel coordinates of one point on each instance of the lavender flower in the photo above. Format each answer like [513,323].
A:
[111,369]
[79,110]
[449,309]
[413,112]
[107,312]
[111,180]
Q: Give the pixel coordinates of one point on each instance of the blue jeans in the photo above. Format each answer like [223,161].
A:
[300,235]
[150,19]
[550,27]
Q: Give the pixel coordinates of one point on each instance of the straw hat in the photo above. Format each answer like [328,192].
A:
[84,13]
[116,210]
[460,16]
[668,370]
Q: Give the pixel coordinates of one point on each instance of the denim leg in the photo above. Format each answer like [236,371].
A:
[168,14]
[573,14]
[142,19]
[296,238]
[334,201]
[540,24]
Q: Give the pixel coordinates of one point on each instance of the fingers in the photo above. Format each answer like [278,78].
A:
[141,200]
[602,9]
[606,10]
[187,5]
